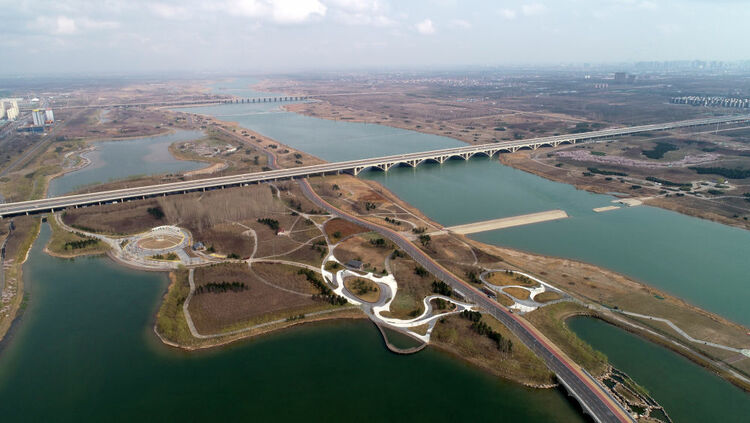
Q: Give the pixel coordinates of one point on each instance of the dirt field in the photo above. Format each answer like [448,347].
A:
[124,218]
[214,312]
[285,276]
[361,248]
[337,229]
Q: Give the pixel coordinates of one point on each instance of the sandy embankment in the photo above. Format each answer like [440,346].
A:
[508,222]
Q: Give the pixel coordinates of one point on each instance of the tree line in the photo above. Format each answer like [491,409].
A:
[83,243]
[483,329]
[221,287]
[326,294]
[728,173]
[606,172]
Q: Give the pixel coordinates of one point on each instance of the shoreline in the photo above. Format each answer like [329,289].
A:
[661,339]
[382,190]
[418,213]
[510,162]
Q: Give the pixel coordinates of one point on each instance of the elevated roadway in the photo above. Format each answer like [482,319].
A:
[351,166]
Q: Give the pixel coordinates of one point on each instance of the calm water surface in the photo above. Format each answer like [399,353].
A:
[687,391]
[703,262]
[85,351]
[122,159]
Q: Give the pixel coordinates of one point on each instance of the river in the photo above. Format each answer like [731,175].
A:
[118,159]
[688,392]
[694,259]
[85,351]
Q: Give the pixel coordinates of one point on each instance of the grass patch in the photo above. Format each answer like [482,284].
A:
[658,151]
[550,320]
[508,277]
[456,335]
[67,243]
[547,296]
[170,320]
[520,293]
[364,289]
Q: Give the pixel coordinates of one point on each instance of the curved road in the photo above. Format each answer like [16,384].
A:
[595,400]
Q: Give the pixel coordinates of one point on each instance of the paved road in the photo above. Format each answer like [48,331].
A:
[57,203]
[593,397]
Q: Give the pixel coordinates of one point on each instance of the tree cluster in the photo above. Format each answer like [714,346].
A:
[83,243]
[156,212]
[378,242]
[326,293]
[271,223]
[221,287]
[483,329]
[393,221]
[420,271]
[442,288]
[473,278]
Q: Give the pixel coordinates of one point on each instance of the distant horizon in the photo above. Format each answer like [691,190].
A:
[610,67]
[292,36]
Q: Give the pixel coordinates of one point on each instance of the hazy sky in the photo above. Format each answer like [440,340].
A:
[49,36]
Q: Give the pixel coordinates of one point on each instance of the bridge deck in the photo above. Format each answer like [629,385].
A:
[352,166]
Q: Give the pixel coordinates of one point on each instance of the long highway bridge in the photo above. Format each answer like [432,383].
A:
[352,166]
[595,400]
[189,102]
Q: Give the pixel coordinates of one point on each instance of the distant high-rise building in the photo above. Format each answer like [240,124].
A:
[49,116]
[11,108]
[621,76]
[37,116]
[2,109]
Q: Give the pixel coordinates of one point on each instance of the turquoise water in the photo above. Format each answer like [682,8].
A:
[697,260]
[125,158]
[687,391]
[85,351]
[328,139]
[686,256]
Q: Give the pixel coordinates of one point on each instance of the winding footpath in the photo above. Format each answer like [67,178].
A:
[595,399]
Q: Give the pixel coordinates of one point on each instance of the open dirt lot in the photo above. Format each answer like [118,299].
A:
[214,312]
